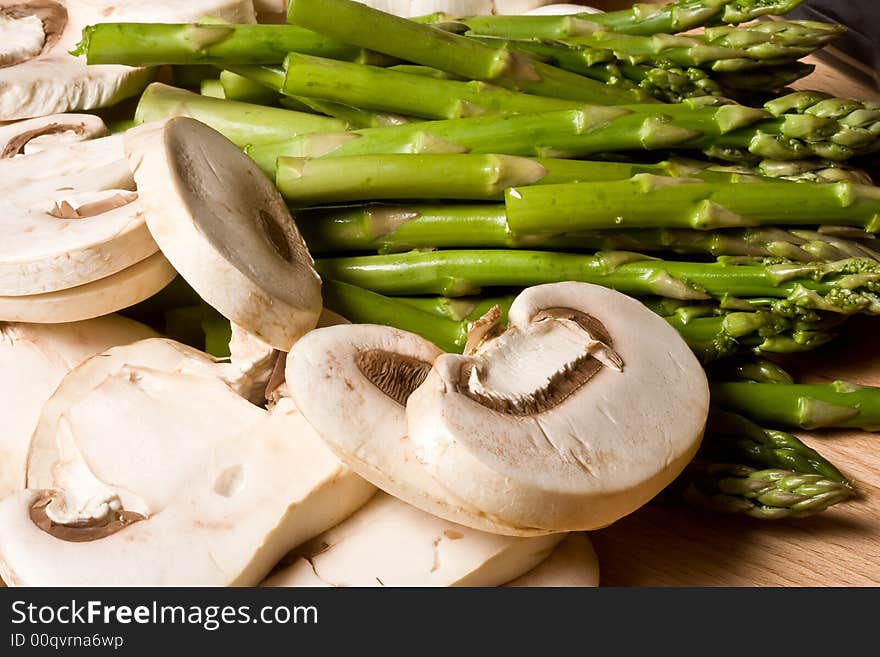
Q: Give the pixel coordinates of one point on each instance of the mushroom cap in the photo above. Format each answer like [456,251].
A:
[561,453]
[225,228]
[215,490]
[54,81]
[69,217]
[390,543]
[572,563]
[101,297]
[36,357]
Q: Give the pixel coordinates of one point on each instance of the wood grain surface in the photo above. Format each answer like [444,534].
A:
[662,545]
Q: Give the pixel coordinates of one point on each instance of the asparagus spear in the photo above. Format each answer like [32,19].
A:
[650,201]
[152,44]
[768,494]
[241,89]
[757,369]
[318,181]
[845,287]
[351,22]
[735,439]
[725,130]
[396,228]
[272,78]
[405,93]
[768,43]
[807,406]
[641,19]
[241,123]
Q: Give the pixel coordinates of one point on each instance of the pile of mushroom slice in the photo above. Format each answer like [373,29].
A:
[147,468]
[579,412]
[39,77]
[390,543]
[75,244]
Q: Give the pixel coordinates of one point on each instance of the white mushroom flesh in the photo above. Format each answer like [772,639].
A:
[573,563]
[20,38]
[146,469]
[102,297]
[70,217]
[390,543]
[35,357]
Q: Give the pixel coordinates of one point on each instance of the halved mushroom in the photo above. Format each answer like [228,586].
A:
[69,216]
[145,469]
[578,413]
[102,297]
[581,411]
[225,228]
[573,563]
[39,77]
[390,543]
[35,135]
[34,358]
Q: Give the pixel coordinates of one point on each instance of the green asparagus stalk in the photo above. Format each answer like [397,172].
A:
[735,439]
[757,369]
[305,182]
[212,89]
[364,307]
[768,494]
[767,43]
[722,129]
[805,406]
[351,22]
[845,287]
[650,201]
[241,89]
[387,90]
[446,321]
[641,19]
[272,78]
[397,228]
[153,44]
[241,123]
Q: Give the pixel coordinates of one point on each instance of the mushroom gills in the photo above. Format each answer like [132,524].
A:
[390,543]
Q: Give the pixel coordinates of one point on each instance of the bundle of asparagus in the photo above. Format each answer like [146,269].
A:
[469,157]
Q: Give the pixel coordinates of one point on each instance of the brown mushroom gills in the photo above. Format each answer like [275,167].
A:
[81,533]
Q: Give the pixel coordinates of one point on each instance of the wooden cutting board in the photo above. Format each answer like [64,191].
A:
[677,546]
[662,545]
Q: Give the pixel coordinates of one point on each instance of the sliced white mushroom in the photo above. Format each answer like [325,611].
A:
[252,363]
[34,358]
[147,470]
[38,76]
[224,226]
[578,413]
[102,297]
[69,216]
[390,543]
[573,563]
[34,135]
